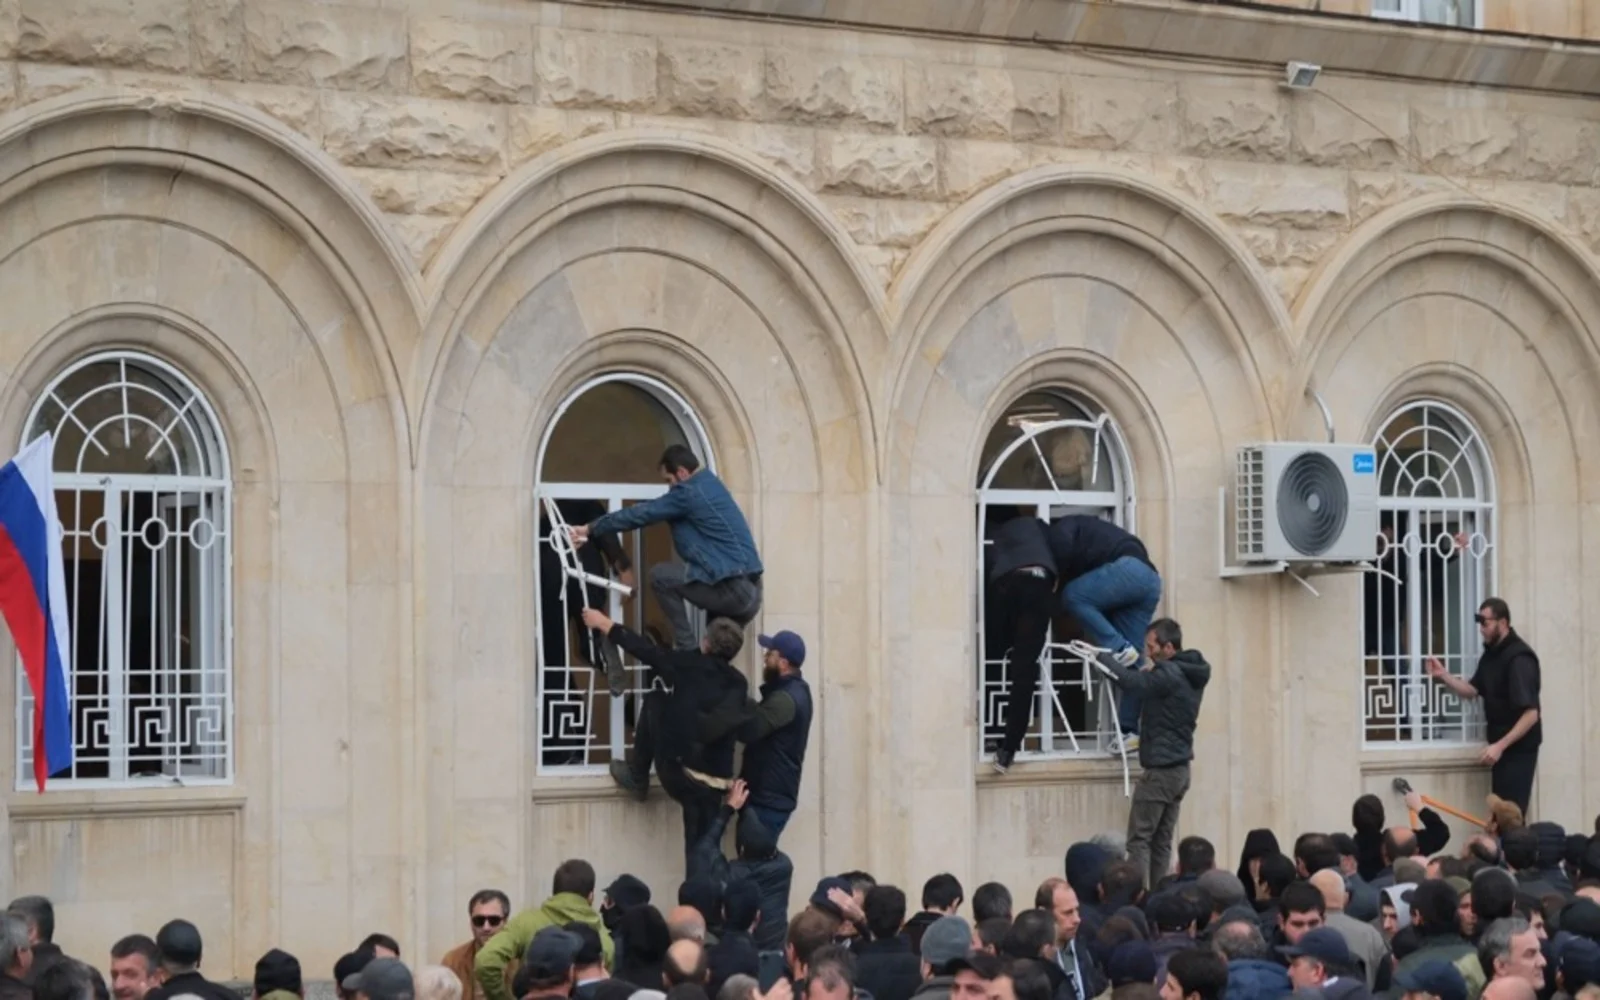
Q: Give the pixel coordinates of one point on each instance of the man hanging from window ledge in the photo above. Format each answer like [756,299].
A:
[721,570]
[688,731]
[1508,682]
[1022,573]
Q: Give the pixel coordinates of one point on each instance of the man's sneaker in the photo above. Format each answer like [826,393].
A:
[1127,656]
[616,673]
[624,778]
[1002,760]
[1125,743]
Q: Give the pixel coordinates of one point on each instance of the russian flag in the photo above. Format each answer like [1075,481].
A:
[33,599]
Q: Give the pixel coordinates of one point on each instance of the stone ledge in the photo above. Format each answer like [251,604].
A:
[92,804]
[1235,34]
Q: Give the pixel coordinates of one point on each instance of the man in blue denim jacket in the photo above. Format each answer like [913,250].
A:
[720,570]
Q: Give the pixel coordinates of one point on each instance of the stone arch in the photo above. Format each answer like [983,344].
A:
[1493,310]
[685,260]
[217,240]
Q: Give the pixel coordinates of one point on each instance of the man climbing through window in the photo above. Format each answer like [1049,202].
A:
[1110,586]
[721,570]
[1022,577]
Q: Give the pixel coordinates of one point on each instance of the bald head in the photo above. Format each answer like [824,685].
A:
[1331,885]
[1508,988]
[1399,842]
[685,923]
[686,963]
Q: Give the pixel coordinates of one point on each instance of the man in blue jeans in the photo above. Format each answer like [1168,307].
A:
[721,570]
[1111,588]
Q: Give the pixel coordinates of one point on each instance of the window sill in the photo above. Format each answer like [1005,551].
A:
[1058,771]
[1402,759]
[584,788]
[85,804]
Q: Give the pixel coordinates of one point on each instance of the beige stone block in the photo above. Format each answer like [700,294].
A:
[1277,195]
[1235,121]
[582,68]
[831,88]
[966,167]
[1563,150]
[707,79]
[792,150]
[294,107]
[149,34]
[533,131]
[423,192]
[886,223]
[1465,140]
[1370,193]
[8,85]
[1583,215]
[1377,134]
[1117,113]
[982,103]
[473,60]
[391,132]
[39,81]
[423,235]
[325,45]
[892,166]
[10,27]
[217,28]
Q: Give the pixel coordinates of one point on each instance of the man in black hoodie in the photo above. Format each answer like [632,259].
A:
[942,896]
[759,861]
[1169,690]
[178,941]
[692,731]
[886,965]
[1508,682]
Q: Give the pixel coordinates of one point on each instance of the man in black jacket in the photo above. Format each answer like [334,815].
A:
[1022,580]
[886,965]
[689,733]
[180,947]
[1170,690]
[759,861]
[1111,588]
[40,915]
[1508,682]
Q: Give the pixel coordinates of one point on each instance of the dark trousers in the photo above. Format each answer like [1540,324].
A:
[700,804]
[1512,777]
[737,598]
[1027,601]
[1154,817]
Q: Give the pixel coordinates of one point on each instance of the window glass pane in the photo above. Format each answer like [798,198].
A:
[614,433]
[1062,458]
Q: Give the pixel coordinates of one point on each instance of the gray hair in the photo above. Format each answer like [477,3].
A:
[13,939]
[435,982]
[1238,939]
[740,987]
[1496,941]
[1115,844]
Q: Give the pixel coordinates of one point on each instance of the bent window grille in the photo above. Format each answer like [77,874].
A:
[145,498]
[1050,455]
[600,455]
[1436,548]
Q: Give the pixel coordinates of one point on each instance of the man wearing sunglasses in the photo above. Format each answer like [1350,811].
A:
[487,910]
[1508,682]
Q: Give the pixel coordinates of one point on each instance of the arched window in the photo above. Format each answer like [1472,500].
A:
[1436,551]
[600,454]
[144,493]
[1051,454]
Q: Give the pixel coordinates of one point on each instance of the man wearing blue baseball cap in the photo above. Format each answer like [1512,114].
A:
[1432,981]
[776,733]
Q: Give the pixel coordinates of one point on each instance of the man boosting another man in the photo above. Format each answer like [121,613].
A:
[721,570]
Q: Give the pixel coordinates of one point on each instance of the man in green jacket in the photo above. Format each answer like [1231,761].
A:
[571,900]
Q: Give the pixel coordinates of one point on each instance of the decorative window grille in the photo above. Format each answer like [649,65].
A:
[601,454]
[1455,13]
[145,499]
[1436,548]
[1052,454]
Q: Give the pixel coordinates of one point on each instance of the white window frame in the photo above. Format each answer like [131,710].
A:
[614,495]
[1416,698]
[1057,738]
[1411,11]
[207,487]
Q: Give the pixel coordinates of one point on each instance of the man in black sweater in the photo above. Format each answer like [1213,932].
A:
[690,733]
[1022,581]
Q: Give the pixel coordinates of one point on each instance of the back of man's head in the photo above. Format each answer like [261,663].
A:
[591,950]
[1521,849]
[65,980]
[942,893]
[1399,842]
[739,987]
[686,963]
[1169,912]
[741,904]
[809,932]
[1494,895]
[1196,856]
[1315,851]
[885,908]
[574,877]
[1331,885]
[1433,908]
[1030,933]
[1277,873]
[1239,939]
[13,940]
[834,969]
[989,901]
[40,915]
[723,639]
[180,946]
[1121,883]
[685,923]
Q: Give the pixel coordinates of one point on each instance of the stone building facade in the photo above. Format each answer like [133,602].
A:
[324,300]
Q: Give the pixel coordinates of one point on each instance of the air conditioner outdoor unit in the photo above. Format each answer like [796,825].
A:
[1302,503]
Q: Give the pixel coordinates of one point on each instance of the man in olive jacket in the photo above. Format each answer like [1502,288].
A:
[1169,690]
[571,900]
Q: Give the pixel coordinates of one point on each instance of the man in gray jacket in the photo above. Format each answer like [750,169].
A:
[1169,688]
